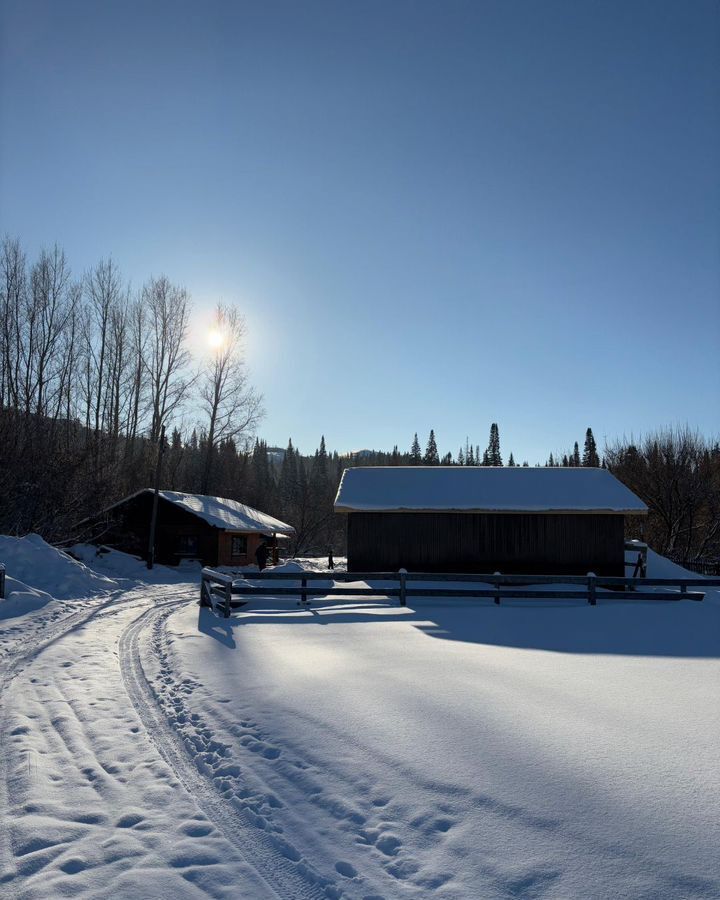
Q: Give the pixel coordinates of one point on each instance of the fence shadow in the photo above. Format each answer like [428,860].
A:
[632,628]
[215,627]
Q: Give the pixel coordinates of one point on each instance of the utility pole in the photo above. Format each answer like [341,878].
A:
[153,519]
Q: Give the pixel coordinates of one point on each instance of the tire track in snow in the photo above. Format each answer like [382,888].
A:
[18,656]
[278,863]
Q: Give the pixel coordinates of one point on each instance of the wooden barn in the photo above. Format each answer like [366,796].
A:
[519,520]
[216,531]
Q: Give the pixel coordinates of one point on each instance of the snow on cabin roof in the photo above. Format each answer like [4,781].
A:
[484,489]
[229,515]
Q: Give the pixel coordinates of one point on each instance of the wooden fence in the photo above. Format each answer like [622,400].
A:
[2,581]
[218,590]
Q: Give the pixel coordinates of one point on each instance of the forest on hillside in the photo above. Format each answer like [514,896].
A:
[97,385]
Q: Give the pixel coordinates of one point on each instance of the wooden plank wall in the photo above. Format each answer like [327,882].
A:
[519,543]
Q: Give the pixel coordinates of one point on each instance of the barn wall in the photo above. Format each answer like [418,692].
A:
[519,543]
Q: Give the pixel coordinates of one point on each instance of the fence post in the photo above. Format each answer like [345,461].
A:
[2,581]
[228,599]
[496,582]
[592,599]
[403,599]
[303,592]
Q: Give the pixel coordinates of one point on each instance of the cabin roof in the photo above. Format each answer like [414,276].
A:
[228,515]
[484,489]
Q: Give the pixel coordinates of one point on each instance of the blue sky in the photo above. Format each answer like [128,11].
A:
[432,215]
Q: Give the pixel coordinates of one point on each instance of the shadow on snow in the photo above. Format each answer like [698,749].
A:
[632,628]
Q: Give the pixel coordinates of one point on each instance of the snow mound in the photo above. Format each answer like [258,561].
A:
[45,569]
[119,565]
[21,599]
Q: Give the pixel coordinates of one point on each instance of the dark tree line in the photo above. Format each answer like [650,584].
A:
[91,372]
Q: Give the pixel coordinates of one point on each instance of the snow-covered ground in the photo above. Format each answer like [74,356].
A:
[450,749]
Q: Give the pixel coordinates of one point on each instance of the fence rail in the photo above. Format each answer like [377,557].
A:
[218,590]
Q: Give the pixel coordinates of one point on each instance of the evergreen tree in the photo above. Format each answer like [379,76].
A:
[415,452]
[565,461]
[470,458]
[431,457]
[551,461]
[511,461]
[492,456]
[461,457]
[447,460]
[575,455]
[590,455]
[288,486]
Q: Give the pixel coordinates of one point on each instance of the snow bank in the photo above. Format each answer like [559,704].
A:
[21,599]
[32,561]
[125,567]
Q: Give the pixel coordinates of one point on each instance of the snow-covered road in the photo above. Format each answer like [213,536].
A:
[357,750]
[92,807]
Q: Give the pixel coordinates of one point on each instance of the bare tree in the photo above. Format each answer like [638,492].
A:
[232,406]
[676,473]
[167,359]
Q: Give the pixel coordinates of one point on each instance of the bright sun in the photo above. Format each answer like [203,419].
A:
[215,339]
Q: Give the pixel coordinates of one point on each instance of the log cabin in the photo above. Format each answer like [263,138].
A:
[214,530]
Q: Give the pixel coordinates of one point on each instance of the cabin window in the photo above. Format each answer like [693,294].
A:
[187,544]
[238,545]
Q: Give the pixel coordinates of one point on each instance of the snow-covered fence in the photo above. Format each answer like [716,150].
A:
[217,588]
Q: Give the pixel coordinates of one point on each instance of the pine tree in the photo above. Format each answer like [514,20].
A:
[470,458]
[590,455]
[431,457]
[492,456]
[461,457]
[288,487]
[511,461]
[415,453]
[551,461]
[575,455]
[447,460]
[565,461]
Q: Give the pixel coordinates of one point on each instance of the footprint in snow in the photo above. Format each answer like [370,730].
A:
[345,869]
[128,820]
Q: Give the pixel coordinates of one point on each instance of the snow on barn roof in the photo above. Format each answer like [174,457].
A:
[484,489]
[229,515]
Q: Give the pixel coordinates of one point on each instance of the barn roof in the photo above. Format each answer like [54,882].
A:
[484,489]
[229,515]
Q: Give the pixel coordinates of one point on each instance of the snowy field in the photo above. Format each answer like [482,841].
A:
[451,749]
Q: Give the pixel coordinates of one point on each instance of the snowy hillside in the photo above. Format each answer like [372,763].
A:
[450,749]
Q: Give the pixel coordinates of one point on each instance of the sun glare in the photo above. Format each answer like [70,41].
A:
[215,339]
